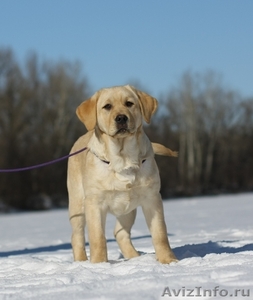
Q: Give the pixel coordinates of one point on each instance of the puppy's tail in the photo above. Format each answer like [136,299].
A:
[162,150]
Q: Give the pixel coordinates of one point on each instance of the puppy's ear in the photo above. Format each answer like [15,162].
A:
[87,112]
[147,103]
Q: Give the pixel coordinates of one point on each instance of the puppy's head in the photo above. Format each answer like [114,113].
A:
[117,111]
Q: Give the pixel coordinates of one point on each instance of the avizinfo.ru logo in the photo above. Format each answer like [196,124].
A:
[198,291]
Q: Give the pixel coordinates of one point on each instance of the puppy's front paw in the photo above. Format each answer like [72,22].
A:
[167,259]
[80,255]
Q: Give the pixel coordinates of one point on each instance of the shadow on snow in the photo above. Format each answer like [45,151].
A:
[186,251]
[200,250]
[65,246]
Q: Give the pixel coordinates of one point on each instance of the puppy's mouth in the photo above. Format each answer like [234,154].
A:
[122,130]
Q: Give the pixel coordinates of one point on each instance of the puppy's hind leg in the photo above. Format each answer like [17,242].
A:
[122,230]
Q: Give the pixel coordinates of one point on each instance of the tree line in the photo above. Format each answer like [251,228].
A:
[210,125]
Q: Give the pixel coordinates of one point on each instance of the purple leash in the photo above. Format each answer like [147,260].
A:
[43,164]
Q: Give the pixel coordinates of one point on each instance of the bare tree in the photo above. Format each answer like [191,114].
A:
[182,107]
[202,111]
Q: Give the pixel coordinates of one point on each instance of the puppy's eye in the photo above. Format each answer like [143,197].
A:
[129,104]
[107,106]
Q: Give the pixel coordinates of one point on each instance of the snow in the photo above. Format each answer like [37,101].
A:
[212,237]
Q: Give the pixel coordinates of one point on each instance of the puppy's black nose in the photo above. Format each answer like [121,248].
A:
[121,119]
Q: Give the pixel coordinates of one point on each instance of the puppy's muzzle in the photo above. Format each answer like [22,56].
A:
[121,121]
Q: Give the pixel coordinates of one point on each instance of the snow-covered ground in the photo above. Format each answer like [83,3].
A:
[212,237]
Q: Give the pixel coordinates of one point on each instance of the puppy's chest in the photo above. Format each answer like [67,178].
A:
[126,180]
[120,203]
[125,190]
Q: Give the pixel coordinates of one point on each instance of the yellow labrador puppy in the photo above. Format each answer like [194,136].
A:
[116,174]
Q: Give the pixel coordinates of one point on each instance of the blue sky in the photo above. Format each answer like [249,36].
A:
[149,41]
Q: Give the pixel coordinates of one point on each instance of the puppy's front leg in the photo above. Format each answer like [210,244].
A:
[77,239]
[95,218]
[155,220]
